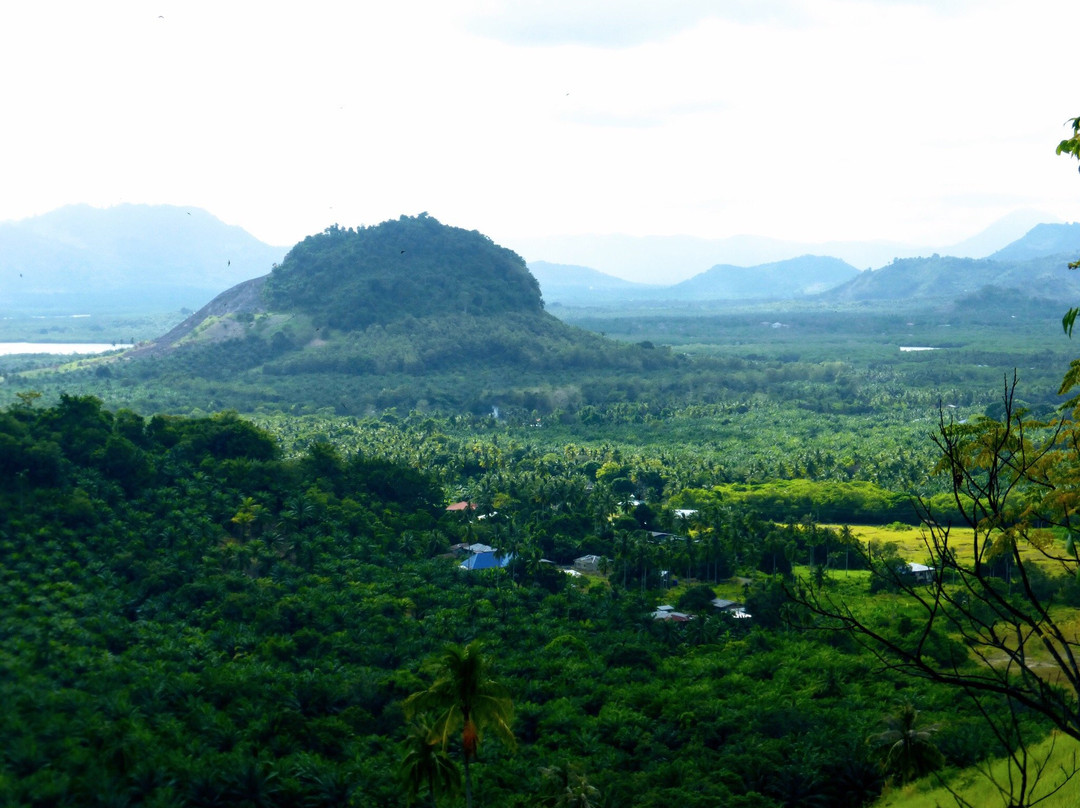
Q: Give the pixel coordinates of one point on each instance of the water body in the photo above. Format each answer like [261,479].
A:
[58,348]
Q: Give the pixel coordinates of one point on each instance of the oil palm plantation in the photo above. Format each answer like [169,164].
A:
[463,697]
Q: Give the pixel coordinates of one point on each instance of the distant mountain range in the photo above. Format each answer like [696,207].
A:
[781,280]
[582,286]
[677,258]
[796,277]
[1033,265]
[125,258]
[165,258]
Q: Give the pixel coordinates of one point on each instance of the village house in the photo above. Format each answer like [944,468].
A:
[922,573]
[588,563]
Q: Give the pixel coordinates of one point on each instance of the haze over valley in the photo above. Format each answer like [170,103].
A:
[539,403]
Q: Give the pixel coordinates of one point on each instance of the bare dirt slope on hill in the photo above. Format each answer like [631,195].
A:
[245,297]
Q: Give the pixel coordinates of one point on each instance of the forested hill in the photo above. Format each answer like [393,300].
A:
[1033,267]
[458,316]
[1043,240]
[409,267]
[940,278]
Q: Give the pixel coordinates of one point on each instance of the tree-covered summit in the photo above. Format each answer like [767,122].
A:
[412,266]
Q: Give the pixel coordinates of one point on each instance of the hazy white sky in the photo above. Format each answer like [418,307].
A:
[819,120]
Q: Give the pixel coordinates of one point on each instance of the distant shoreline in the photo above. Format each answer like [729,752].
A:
[59,348]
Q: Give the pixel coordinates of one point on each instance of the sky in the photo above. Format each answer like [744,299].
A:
[909,121]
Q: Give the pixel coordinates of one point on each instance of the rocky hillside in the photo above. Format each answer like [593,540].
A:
[244,299]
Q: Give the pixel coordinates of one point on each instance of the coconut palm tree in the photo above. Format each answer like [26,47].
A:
[463,696]
[604,504]
[907,751]
[424,763]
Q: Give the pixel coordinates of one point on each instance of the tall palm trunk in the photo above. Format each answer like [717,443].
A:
[468,746]
[468,783]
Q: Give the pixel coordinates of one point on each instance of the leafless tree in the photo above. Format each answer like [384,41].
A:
[990,625]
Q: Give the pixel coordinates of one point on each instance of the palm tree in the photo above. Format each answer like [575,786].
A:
[643,549]
[425,763]
[463,696]
[623,547]
[604,504]
[531,555]
[565,786]
[688,546]
[907,752]
[254,783]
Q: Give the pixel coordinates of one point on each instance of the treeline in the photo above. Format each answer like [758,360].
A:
[856,502]
[698,447]
[783,429]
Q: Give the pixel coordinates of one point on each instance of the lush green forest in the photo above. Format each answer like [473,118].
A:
[194,615]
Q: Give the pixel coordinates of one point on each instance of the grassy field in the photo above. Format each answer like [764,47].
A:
[1056,756]
[912,544]
[851,586]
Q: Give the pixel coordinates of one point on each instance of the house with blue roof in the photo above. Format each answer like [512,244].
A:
[491,560]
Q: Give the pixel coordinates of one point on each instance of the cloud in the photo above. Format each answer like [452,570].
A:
[648,119]
[1006,201]
[629,23]
[615,23]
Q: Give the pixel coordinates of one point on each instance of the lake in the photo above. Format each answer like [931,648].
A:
[60,348]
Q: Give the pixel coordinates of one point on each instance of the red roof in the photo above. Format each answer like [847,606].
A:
[460,506]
